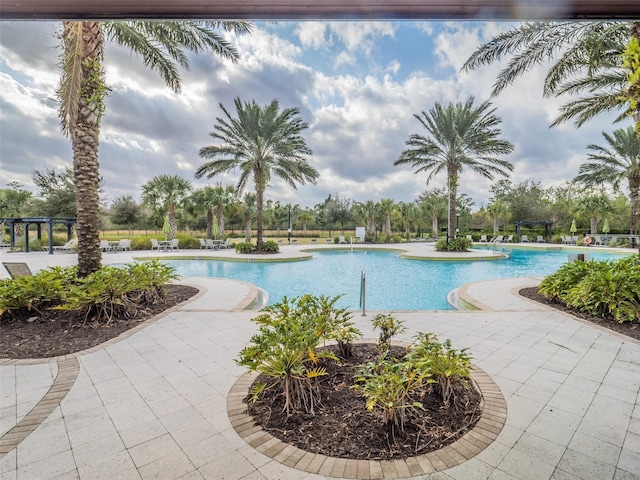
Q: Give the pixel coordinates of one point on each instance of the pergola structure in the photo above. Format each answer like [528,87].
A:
[548,229]
[38,222]
[320,9]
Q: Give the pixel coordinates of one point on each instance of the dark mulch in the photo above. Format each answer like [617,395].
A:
[60,333]
[342,427]
[630,329]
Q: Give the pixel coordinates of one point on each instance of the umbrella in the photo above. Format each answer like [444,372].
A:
[605,227]
[166,228]
[573,228]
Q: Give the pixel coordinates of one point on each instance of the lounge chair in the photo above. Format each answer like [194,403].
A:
[509,239]
[226,244]
[483,238]
[203,243]
[540,239]
[329,240]
[67,247]
[469,237]
[341,239]
[498,239]
[124,244]
[597,240]
[105,246]
[17,269]
[175,244]
[154,244]
[211,245]
[524,238]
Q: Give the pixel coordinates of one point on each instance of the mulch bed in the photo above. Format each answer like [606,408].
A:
[61,333]
[343,427]
[630,329]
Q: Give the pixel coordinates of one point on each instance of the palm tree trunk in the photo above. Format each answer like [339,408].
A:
[220,220]
[453,195]
[495,225]
[594,225]
[259,215]
[85,140]
[247,230]
[434,226]
[209,224]
[171,215]
[634,188]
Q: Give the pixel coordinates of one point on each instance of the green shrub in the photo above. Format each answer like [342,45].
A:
[442,363]
[112,292]
[244,247]
[141,243]
[388,325]
[458,244]
[598,287]
[270,246]
[285,348]
[22,296]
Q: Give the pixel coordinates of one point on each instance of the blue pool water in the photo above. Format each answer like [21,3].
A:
[392,283]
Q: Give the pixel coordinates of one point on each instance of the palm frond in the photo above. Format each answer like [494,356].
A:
[68,92]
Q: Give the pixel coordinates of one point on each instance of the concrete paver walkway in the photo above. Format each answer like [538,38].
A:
[153,404]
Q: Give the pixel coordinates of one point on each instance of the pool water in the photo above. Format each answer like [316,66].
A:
[392,283]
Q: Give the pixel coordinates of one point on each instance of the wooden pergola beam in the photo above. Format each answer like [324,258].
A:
[319,9]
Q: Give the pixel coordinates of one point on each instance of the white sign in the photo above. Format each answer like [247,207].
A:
[360,233]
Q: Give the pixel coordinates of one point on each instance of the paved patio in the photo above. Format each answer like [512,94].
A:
[153,404]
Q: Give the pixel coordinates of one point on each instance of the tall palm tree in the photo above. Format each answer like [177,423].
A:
[166,192]
[462,136]
[260,141]
[589,63]
[366,212]
[615,163]
[248,212]
[82,93]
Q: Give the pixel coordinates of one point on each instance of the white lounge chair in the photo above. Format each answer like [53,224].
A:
[483,238]
[175,244]
[509,239]
[124,244]
[226,244]
[154,244]
[210,244]
[67,247]
[203,243]
[498,239]
[105,246]
[341,239]
[469,237]
[540,239]
[524,238]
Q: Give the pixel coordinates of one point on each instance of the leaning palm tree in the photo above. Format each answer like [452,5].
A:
[595,65]
[615,163]
[462,136]
[166,192]
[260,141]
[83,90]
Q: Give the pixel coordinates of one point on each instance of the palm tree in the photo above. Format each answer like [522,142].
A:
[82,93]
[497,210]
[462,136]
[305,217]
[259,141]
[615,163]
[386,207]
[591,62]
[166,192]
[366,212]
[434,203]
[408,214]
[594,206]
[222,197]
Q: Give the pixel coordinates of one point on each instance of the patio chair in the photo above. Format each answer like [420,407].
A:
[124,244]
[203,243]
[540,239]
[154,244]
[469,237]
[211,245]
[329,240]
[483,238]
[509,239]
[17,269]
[498,239]
[67,247]
[597,240]
[226,244]
[524,238]
[341,239]
[105,246]
[175,244]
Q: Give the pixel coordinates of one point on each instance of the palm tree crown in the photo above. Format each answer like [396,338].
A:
[462,136]
[260,141]
[615,163]
[82,93]
[166,192]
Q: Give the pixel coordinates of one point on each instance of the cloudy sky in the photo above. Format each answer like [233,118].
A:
[357,85]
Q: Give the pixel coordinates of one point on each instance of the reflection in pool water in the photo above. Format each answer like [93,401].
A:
[392,283]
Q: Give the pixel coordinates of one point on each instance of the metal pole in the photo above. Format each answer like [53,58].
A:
[363,291]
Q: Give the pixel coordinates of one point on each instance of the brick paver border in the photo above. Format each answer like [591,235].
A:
[68,368]
[494,415]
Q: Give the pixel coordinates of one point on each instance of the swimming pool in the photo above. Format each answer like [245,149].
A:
[392,283]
